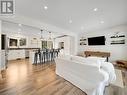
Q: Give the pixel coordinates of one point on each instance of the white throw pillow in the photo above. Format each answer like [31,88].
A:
[64,56]
[83,60]
[97,58]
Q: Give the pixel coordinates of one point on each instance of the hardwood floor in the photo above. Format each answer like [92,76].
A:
[23,78]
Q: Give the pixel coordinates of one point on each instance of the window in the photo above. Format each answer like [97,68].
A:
[47,44]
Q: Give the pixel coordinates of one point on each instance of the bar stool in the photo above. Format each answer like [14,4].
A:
[47,55]
[36,55]
[44,56]
[35,58]
[57,52]
[52,54]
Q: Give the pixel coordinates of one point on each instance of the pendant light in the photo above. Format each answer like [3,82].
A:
[50,36]
[42,38]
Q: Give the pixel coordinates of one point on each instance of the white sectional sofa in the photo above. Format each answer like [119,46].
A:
[86,73]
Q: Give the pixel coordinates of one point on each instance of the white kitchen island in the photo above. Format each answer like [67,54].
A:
[31,56]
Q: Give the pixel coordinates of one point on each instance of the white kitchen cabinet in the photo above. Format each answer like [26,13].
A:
[3,60]
[16,54]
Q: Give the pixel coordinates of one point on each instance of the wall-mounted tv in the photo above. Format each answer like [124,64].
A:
[96,40]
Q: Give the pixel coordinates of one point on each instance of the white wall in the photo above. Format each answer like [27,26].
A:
[117,51]
[73,46]
[68,44]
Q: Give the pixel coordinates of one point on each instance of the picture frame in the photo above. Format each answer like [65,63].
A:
[22,42]
[13,42]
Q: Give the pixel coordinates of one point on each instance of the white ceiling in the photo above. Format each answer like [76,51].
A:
[14,28]
[59,12]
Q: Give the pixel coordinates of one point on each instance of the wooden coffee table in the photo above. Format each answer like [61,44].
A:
[97,54]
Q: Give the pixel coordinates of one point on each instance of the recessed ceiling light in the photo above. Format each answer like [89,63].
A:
[45,7]
[82,27]
[20,25]
[70,21]
[19,29]
[95,9]
[101,22]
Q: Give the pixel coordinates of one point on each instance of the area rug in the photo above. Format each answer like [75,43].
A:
[119,79]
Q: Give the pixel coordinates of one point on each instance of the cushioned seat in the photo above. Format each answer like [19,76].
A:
[87,74]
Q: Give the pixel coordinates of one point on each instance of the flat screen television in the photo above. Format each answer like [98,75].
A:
[96,40]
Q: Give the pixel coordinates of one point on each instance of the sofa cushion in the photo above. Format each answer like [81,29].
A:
[97,58]
[63,56]
[84,60]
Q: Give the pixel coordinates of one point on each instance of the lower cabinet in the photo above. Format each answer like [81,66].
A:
[16,54]
[3,60]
